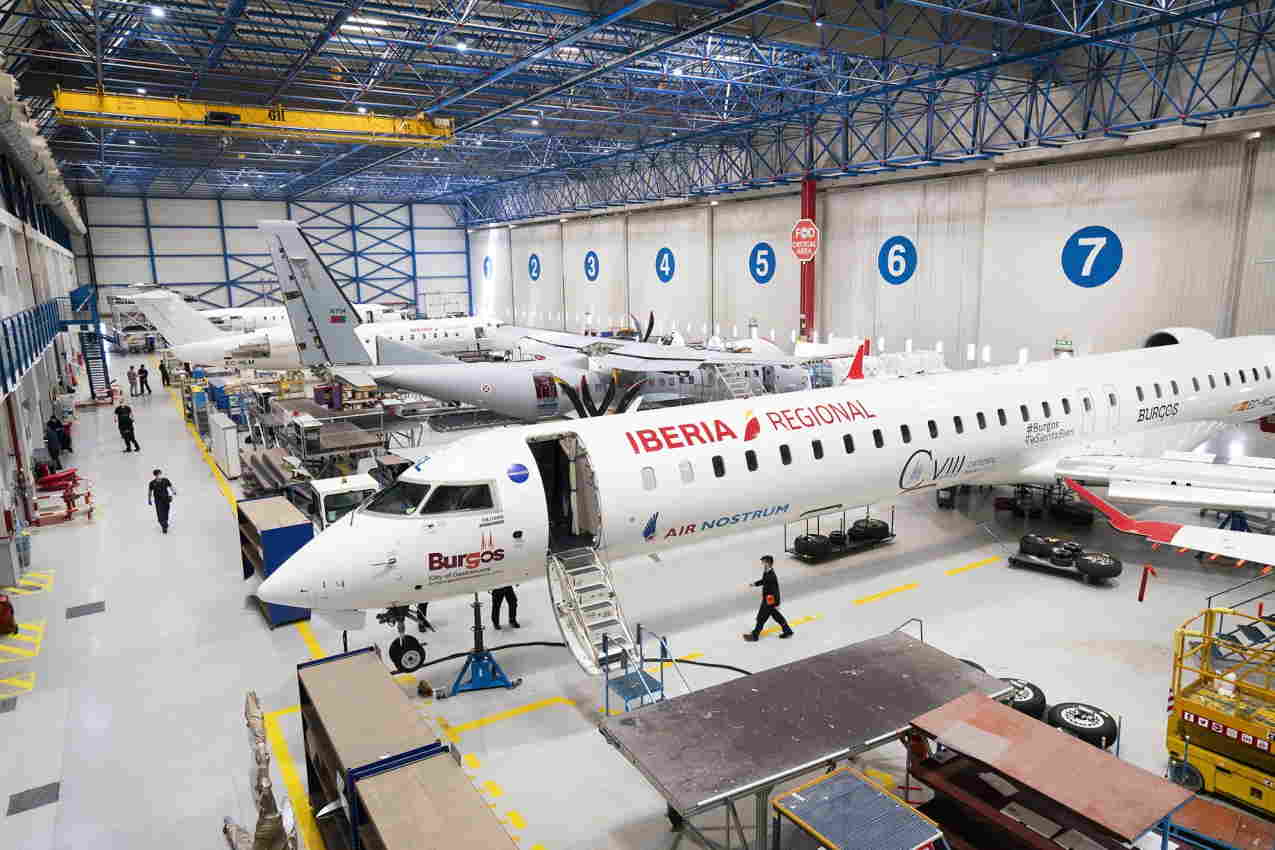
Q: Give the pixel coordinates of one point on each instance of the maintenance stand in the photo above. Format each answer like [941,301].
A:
[481,671]
[774,726]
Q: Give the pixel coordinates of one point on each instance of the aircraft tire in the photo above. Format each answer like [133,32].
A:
[407,654]
[1026,697]
[1039,545]
[1098,566]
[869,528]
[1086,722]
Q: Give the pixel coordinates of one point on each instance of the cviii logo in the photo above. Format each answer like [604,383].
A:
[486,554]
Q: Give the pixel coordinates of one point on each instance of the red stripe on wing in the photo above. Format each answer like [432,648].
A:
[1160,532]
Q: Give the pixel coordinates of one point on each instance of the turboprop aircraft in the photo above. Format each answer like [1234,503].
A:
[502,507]
[195,339]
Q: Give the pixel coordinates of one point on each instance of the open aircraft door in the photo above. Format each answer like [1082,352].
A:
[1111,404]
[1088,416]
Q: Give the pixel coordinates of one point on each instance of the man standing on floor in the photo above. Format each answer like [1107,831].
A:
[769,584]
[124,418]
[143,381]
[499,596]
[160,494]
[53,442]
[132,380]
[163,373]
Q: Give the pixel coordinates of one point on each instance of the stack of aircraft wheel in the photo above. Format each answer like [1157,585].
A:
[1087,722]
[861,534]
[1057,554]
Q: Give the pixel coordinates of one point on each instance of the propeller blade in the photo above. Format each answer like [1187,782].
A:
[573,396]
[650,326]
[586,396]
[629,395]
[610,395]
[637,326]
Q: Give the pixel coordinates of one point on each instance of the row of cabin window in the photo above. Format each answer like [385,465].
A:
[446,334]
[1195,382]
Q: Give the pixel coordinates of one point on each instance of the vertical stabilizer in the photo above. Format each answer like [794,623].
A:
[322,318]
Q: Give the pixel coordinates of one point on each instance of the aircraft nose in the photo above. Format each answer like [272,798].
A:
[290,584]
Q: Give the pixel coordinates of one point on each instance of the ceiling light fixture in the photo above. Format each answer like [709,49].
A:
[435,159]
[535,122]
[362,110]
[462,46]
[132,141]
[677,72]
[562,221]
[714,203]
[141,91]
[158,12]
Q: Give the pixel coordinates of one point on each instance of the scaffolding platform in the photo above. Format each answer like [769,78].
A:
[777,725]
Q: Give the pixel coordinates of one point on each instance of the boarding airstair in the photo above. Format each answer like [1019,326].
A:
[588,611]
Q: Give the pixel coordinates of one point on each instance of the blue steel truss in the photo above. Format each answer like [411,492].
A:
[565,108]
[371,251]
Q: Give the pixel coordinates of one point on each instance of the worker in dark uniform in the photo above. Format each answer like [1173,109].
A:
[143,381]
[160,494]
[163,373]
[124,418]
[769,584]
[498,597]
[53,442]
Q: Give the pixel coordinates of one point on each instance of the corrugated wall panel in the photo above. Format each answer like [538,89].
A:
[489,270]
[537,275]
[686,298]
[594,247]
[1255,307]
[752,280]
[1175,213]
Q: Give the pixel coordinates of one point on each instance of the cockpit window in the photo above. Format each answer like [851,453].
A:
[459,497]
[339,504]
[401,498]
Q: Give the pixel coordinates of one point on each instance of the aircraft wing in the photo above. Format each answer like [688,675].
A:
[649,357]
[1180,479]
[1240,545]
[390,352]
[322,318]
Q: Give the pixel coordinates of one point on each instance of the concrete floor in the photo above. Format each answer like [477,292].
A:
[136,711]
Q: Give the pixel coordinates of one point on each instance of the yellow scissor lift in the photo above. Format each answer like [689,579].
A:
[1221,733]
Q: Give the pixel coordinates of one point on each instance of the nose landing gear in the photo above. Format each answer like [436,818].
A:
[406,652]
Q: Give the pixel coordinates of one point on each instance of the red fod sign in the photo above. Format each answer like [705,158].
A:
[805,240]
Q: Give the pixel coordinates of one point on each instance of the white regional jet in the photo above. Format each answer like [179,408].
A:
[498,508]
[195,339]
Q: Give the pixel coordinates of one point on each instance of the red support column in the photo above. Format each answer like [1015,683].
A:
[808,268]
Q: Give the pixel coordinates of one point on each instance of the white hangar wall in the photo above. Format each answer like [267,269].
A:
[1101,251]
[212,251]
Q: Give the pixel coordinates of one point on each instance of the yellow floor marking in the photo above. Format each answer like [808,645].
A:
[883,594]
[13,686]
[800,621]
[972,566]
[37,579]
[34,634]
[516,820]
[453,733]
[655,668]
[222,484]
[537,847]
[311,643]
[493,789]
[306,826]
[471,761]
[17,591]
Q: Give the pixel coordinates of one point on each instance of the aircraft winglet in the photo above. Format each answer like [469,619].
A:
[856,368]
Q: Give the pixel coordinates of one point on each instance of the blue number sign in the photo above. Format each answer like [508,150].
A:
[665,264]
[591,265]
[897,260]
[533,266]
[1092,256]
[486,268]
[761,262]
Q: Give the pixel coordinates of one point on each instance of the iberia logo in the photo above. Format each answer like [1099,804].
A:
[752,427]
[709,431]
[648,533]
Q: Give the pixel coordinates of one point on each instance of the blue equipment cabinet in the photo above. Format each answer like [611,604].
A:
[270,530]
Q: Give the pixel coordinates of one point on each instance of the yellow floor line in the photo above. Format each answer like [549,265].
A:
[800,621]
[655,668]
[222,484]
[453,733]
[471,761]
[516,820]
[493,789]
[13,686]
[883,594]
[311,643]
[306,827]
[968,567]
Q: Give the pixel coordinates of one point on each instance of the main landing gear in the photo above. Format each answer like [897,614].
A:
[406,652]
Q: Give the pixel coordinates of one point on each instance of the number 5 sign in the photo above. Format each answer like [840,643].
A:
[805,240]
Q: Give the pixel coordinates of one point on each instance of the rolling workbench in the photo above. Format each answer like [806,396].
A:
[710,749]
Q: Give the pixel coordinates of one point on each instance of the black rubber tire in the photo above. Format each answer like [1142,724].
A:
[974,664]
[1072,547]
[869,528]
[1039,545]
[1087,722]
[1027,698]
[1098,566]
[407,654]
[1185,774]
[812,545]
[1061,556]
[1072,513]
[837,538]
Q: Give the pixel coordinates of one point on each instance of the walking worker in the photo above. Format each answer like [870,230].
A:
[132,380]
[144,381]
[163,373]
[160,494]
[499,596]
[53,442]
[769,584]
[124,419]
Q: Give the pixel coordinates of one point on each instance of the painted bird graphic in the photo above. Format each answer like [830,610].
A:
[648,533]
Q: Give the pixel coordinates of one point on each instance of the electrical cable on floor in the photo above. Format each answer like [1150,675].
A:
[739,670]
[466,654]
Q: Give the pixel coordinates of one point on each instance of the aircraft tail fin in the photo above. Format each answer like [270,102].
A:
[322,317]
[856,368]
[179,322]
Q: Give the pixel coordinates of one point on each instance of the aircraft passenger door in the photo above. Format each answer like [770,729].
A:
[584,490]
[1087,412]
[1111,403]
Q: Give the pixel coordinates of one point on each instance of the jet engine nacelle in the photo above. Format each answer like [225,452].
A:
[1175,336]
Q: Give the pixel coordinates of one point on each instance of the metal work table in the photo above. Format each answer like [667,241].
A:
[743,738]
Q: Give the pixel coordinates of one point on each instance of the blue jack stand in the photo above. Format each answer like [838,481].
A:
[481,671]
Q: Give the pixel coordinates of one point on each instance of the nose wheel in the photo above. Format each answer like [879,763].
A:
[406,652]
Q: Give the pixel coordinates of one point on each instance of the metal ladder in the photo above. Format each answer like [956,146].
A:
[737,381]
[588,610]
[95,364]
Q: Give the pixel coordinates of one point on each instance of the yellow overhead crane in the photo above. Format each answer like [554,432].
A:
[176,115]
